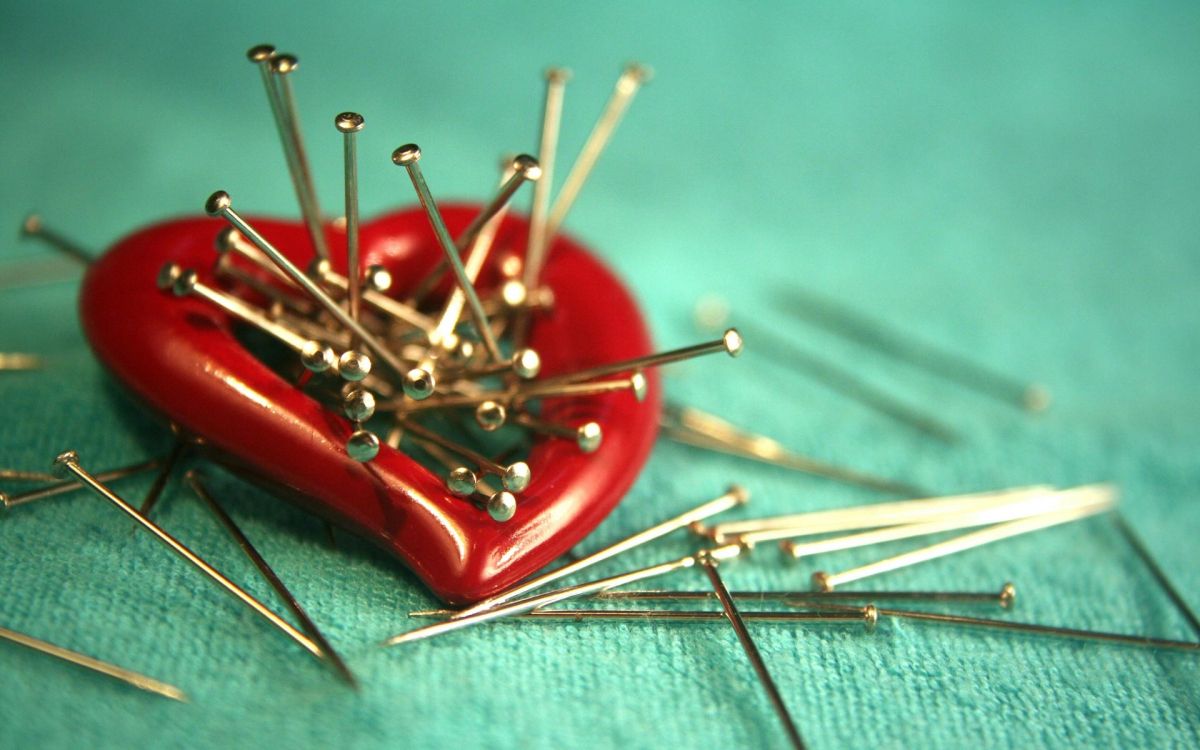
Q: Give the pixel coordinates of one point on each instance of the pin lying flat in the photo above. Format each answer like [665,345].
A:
[18,475]
[528,605]
[61,488]
[1004,598]
[160,481]
[34,228]
[20,361]
[537,389]
[709,565]
[128,676]
[68,464]
[1164,581]
[659,615]
[733,497]
[268,573]
[686,424]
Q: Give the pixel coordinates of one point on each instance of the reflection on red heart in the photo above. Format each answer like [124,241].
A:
[180,356]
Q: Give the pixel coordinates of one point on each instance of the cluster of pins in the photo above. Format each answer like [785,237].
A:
[995,515]
[370,354]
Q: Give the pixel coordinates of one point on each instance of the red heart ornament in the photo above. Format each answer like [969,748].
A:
[180,356]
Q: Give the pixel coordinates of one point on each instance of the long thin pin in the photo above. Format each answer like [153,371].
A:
[61,488]
[854,325]
[586,436]
[272,579]
[528,605]
[730,343]
[515,477]
[733,497]
[1104,499]
[349,124]
[400,311]
[160,481]
[535,252]
[537,389]
[627,86]
[581,615]
[409,156]
[1004,598]
[20,361]
[128,676]
[281,68]
[219,204]
[19,475]
[69,463]
[709,566]
[33,227]
[1164,582]
[693,427]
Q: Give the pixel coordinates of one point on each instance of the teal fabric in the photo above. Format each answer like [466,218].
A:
[1014,182]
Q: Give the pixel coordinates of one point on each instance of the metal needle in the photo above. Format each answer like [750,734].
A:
[61,488]
[33,227]
[580,615]
[69,464]
[160,481]
[730,343]
[409,156]
[281,68]
[535,252]
[137,680]
[515,477]
[1004,598]
[1156,570]
[219,204]
[349,124]
[733,497]
[272,579]
[709,566]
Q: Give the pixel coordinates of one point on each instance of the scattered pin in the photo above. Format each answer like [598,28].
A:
[1004,598]
[733,497]
[160,481]
[68,464]
[20,361]
[658,615]
[128,676]
[61,488]
[33,227]
[1164,582]
[268,573]
[18,475]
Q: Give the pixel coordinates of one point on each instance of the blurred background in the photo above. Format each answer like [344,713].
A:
[1015,183]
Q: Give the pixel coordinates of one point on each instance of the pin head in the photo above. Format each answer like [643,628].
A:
[526,364]
[461,482]
[588,436]
[378,278]
[638,73]
[320,268]
[558,75]
[491,415]
[820,581]
[59,467]
[638,382]
[225,239]
[502,506]
[167,275]
[733,342]
[516,477]
[1008,595]
[419,383]
[185,282]
[407,154]
[526,165]
[362,446]
[359,405]
[284,64]
[871,616]
[260,53]
[513,293]
[217,203]
[349,122]
[739,493]
[353,366]
[32,225]
[316,357]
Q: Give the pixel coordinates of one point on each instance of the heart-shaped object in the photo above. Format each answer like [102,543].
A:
[181,357]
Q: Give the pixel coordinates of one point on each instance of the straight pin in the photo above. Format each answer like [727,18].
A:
[733,497]
[33,227]
[19,475]
[537,389]
[19,361]
[160,481]
[1103,499]
[586,436]
[1164,582]
[63,487]
[268,573]
[709,566]
[535,251]
[1004,598]
[128,676]
[68,464]
[349,124]
[282,66]
[402,312]
[730,343]
[635,615]
[691,426]
[515,477]
[409,156]
[528,605]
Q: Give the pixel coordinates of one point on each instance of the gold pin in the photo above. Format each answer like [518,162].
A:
[587,436]
[68,464]
[61,488]
[528,605]
[857,327]
[1094,499]
[349,124]
[409,156]
[128,676]
[275,69]
[272,579]
[33,227]
[627,86]
[315,356]
[708,564]
[686,424]
[219,204]
[730,343]
[515,477]
[20,361]
[733,497]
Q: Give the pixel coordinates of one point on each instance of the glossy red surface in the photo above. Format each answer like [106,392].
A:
[181,357]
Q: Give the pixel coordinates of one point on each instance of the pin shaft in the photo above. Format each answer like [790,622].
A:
[33,227]
[63,487]
[160,480]
[580,615]
[730,343]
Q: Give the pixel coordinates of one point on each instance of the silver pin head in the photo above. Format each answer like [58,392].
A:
[419,383]
[260,53]
[491,416]
[588,436]
[62,461]
[362,446]
[516,477]
[217,203]
[733,342]
[527,166]
[502,506]
[359,405]
[349,122]
[406,154]
[316,357]
[353,366]
[526,363]
[461,482]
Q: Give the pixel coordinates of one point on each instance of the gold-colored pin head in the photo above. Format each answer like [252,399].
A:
[588,436]
[32,225]
[527,166]
[407,154]
[225,239]
[218,203]
[638,72]
[62,461]
[284,64]
[168,275]
[1008,595]
[870,617]
[502,506]
[349,122]
[260,53]
[491,415]
[461,482]
[637,381]
[558,75]
[378,278]
[526,364]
